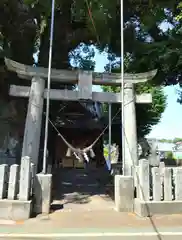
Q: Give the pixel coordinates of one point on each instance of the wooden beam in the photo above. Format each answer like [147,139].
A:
[72,76]
[69,95]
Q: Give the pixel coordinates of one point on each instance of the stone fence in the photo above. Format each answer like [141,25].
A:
[158,183]
[16,190]
[158,190]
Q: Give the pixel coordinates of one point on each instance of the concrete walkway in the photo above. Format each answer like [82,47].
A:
[81,189]
[90,214]
[97,224]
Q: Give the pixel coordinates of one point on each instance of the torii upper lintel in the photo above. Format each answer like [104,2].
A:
[72,76]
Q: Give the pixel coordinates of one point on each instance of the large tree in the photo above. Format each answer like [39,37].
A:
[78,21]
[25,27]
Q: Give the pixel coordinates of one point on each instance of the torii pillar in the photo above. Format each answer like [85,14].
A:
[37,93]
[32,132]
[130,157]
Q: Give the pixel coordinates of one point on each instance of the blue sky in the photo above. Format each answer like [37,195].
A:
[169,126]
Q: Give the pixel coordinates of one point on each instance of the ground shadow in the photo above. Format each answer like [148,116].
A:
[79,186]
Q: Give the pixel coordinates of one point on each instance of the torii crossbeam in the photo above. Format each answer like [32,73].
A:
[84,79]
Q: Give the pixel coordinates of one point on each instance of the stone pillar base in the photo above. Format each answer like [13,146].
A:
[124,193]
[43,183]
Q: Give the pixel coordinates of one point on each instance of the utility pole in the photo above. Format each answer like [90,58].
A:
[122,86]
[48,88]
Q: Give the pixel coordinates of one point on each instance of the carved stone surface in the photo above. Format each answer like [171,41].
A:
[32,131]
[130,144]
[3,180]
[13,182]
[178,184]
[156,184]
[154,158]
[43,183]
[85,85]
[25,179]
[124,193]
[143,180]
[167,184]
[66,76]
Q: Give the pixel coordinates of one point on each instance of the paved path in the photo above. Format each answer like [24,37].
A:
[80,189]
[95,224]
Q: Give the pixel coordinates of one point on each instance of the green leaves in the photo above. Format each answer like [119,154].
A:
[26,28]
[179,16]
[147,115]
[30,2]
[150,114]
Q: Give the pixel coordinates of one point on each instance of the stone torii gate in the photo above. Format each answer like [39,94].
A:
[37,92]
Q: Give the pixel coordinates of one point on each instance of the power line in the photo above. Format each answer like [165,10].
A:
[92,20]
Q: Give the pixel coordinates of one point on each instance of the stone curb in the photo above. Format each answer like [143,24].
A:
[140,235]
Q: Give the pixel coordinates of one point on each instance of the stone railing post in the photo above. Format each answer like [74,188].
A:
[3,179]
[143,180]
[43,187]
[156,184]
[168,184]
[25,181]
[124,193]
[13,182]
[178,184]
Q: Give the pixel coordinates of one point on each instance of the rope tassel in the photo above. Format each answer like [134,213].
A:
[79,157]
[86,156]
[87,149]
[69,152]
[92,154]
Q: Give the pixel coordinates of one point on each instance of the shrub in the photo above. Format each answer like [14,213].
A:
[169,155]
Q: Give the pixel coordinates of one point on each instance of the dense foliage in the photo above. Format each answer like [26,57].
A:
[175,140]
[25,29]
[25,25]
